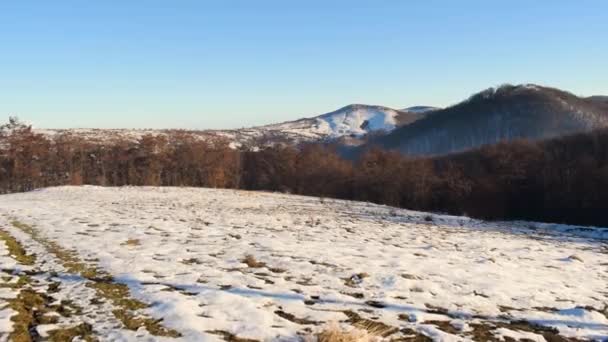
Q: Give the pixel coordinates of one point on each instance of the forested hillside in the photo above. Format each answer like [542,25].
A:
[499,114]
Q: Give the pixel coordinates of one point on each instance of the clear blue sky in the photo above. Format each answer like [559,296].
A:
[227,64]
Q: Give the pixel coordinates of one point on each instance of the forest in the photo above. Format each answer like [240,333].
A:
[561,180]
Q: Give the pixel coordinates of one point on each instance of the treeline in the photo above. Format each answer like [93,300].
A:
[560,180]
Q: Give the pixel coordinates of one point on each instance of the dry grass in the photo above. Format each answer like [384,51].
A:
[334,333]
[16,250]
[25,304]
[373,328]
[486,332]
[191,261]
[104,285]
[132,242]
[277,270]
[21,281]
[294,319]
[35,308]
[364,331]
[229,337]
[251,261]
[355,279]
[84,331]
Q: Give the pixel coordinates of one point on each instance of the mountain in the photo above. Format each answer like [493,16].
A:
[498,114]
[352,122]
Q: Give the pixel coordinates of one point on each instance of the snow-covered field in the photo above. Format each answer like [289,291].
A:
[203,264]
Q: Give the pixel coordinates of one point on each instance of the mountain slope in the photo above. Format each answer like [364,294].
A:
[498,114]
[352,120]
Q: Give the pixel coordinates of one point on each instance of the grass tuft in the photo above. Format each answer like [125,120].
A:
[16,250]
[132,242]
[22,280]
[133,322]
[251,261]
[373,328]
[104,286]
[229,337]
[334,333]
[25,304]
[84,331]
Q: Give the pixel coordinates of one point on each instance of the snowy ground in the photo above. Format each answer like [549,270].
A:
[183,255]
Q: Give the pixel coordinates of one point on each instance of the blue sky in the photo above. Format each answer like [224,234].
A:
[229,64]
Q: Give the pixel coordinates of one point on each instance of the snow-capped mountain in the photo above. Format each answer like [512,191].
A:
[358,120]
[355,120]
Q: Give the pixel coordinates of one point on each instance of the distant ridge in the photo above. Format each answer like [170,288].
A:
[354,121]
[496,114]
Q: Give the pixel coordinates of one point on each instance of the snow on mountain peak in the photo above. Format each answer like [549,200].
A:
[358,120]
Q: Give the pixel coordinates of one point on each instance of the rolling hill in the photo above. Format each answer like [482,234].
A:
[499,114]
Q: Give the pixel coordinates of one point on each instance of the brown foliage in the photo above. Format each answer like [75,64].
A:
[559,180]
